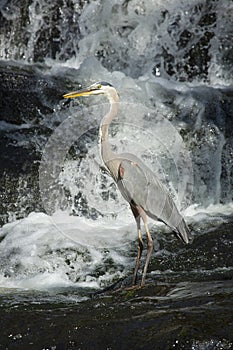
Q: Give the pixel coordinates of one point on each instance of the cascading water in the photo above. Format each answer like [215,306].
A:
[186,41]
[65,223]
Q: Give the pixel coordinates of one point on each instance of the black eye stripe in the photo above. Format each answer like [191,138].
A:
[104,83]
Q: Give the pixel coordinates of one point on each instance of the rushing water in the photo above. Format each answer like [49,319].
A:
[66,232]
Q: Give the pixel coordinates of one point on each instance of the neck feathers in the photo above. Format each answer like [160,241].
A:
[109,158]
[108,118]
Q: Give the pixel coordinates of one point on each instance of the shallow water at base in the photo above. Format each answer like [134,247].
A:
[165,315]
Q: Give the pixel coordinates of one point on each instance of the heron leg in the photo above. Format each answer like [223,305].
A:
[140,242]
[140,249]
[150,246]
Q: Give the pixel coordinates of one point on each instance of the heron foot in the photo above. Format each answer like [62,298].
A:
[134,287]
[128,288]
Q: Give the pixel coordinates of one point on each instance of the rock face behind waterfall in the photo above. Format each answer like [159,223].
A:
[27,97]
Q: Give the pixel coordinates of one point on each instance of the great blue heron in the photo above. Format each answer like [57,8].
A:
[137,183]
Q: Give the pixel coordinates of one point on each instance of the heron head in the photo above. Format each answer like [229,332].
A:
[99,88]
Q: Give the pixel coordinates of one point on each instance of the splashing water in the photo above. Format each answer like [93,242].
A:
[185,41]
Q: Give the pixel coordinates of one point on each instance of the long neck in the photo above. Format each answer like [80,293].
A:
[109,157]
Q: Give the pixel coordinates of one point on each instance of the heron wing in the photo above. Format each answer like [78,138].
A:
[139,185]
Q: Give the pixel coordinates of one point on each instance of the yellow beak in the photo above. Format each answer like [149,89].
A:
[85,92]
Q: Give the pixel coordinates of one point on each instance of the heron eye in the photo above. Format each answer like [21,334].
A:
[99,86]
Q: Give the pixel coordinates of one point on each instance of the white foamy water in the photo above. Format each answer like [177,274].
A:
[43,252]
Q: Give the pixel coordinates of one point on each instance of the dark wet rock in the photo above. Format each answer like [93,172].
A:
[159,316]
[27,98]
[27,93]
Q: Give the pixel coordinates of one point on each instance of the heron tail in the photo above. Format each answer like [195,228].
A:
[183,232]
